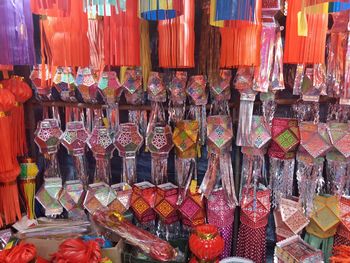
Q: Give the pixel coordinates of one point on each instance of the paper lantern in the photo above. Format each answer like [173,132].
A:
[165,203]
[142,201]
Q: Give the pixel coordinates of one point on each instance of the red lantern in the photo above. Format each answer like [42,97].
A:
[206,244]
[142,201]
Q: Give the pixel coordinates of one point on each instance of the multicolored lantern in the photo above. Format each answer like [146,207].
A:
[29,171]
[177,96]
[87,85]
[98,196]
[72,197]
[64,82]
[342,236]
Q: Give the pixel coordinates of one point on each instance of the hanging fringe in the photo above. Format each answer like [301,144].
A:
[146,63]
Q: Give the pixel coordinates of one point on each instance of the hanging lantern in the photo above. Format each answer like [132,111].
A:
[17,34]
[177,39]
[9,168]
[56,8]
[122,37]
[103,8]
[160,9]
[224,10]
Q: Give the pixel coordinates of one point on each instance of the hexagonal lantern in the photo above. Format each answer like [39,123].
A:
[165,204]
[110,87]
[48,196]
[142,201]
[47,136]
[159,140]
[101,144]
[74,138]
[65,84]
[219,133]
[87,85]
[133,86]
[196,90]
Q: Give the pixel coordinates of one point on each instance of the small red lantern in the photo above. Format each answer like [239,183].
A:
[142,201]
[206,244]
[165,205]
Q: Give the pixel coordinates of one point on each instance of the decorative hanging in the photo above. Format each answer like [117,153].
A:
[221,215]
[206,244]
[142,203]
[177,39]
[285,139]
[60,37]
[122,203]
[17,33]
[177,97]
[87,85]
[22,93]
[255,208]
[122,36]
[55,8]
[41,79]
[196,90]
[220,92]
[96,43]
[166,208]
[134,95]
[342,236]
[103,8]
[128,141]
[289,218]
[145,53]
[219,134]
[185,138]
[27,184]
[308,48]
[64,83]
[323,224]
[160,9]
[47,138]
[9,168]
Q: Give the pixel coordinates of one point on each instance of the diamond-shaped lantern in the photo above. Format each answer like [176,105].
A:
[177,88]
[110,87]
[74,138]
[133,87]
[185,138]
[142,201]
[71,198]
[325,217]
[47,136]
[165,204]
[314,138]
[65,84]
[196,90]
[192,210]
[123,192]
[87,85]
[219,133]
[156,88]
[99,195]
[285,138]
[48,196]
[261,133]
[339,134]
[220,90]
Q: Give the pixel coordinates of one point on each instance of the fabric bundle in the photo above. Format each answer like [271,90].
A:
[122,37]
[16,31]
[177,39]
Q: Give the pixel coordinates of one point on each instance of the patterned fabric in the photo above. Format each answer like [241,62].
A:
[325,217]
[314,138]
[285,138]
[185,138]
